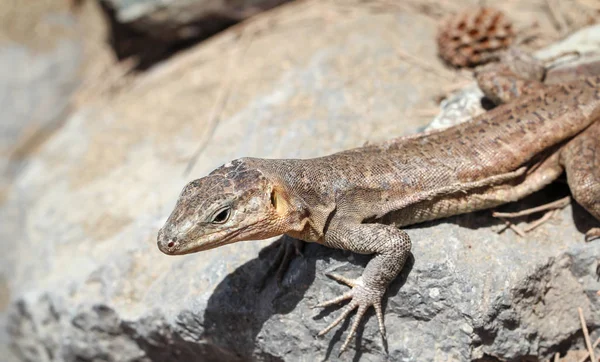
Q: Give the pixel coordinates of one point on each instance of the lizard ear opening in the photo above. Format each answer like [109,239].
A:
[278,201]
[274,198]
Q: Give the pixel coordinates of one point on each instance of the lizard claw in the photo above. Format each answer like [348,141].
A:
[362,297]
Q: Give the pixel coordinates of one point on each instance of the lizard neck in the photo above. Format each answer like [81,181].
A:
[300,197]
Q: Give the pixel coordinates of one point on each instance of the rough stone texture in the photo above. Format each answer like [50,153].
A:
[82,279]
[177,20]
[38,77]
[40,57]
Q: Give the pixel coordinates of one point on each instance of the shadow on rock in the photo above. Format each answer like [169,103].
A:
[128,42]
[583,220]
[484,218]
[156,34]
[249,296]
[244,301]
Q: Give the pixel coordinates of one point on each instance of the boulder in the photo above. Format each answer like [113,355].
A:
[41,55]
[83,280]
[40,59]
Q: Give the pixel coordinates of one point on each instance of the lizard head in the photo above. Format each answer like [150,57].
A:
[233,203]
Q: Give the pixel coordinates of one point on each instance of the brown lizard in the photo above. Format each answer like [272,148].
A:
[357,199]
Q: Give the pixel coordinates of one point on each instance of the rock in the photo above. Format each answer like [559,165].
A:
[175,21]
[87,283]
[41,55]
[40,58]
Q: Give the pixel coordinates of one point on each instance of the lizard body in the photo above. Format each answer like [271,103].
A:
[356,199]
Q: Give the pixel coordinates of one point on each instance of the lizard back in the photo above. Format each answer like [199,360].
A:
[377,179]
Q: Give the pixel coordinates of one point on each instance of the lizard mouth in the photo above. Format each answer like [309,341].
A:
[209,241]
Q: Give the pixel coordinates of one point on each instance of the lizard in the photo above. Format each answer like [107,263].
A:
[360,199]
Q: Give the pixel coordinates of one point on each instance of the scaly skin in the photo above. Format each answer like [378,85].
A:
[356,200]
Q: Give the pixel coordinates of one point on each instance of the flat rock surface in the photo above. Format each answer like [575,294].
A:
[81,278]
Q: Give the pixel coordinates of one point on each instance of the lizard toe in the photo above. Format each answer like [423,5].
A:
[379,313]
[359,314]
[362,297]
[347,281]
[349,308]
[341,298]
[592,234]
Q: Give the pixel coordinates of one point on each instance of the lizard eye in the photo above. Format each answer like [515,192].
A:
[221,216]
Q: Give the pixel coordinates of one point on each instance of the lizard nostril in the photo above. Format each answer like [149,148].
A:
[172,242]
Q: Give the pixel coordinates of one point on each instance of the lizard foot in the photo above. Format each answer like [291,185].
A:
[362,297]
[287,249]
[592,234]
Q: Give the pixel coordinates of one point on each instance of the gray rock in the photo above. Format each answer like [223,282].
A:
[40,58]
[35,89]
[87,283]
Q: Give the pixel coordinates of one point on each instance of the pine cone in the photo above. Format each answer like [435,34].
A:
[468,38]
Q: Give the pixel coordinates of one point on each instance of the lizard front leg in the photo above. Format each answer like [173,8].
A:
[391,247]
[581,159]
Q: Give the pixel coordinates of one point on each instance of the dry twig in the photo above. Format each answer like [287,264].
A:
[547,216]
[558,204]
[425,65]
[588,353]
[586,335]
[513,227]
[244,41]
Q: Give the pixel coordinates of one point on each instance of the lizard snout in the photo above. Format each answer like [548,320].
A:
[165,243]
